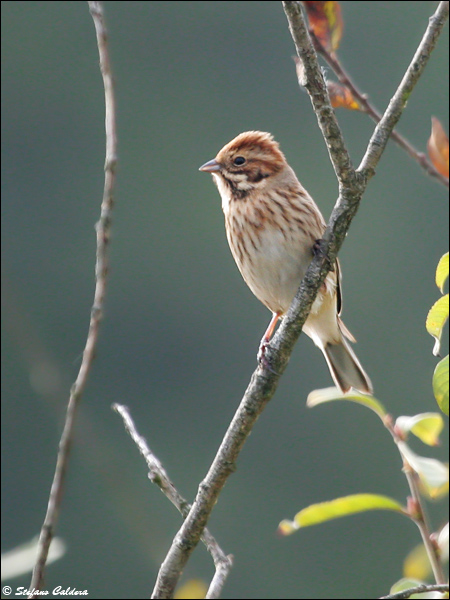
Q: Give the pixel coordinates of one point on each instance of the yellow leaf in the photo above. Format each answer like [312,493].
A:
[339,507]
[432,473]
[442,272]
[417,564]
[426,426]
[438,149]
[441,384]
[194,589]
[436,319]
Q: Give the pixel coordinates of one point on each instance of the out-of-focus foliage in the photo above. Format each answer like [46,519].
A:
[427,427]
[194,589]
[438,147]
[325,19]
[341,96]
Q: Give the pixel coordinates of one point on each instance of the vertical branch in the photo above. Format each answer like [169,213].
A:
[103,229]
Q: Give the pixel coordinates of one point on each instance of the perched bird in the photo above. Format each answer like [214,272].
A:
[272,226]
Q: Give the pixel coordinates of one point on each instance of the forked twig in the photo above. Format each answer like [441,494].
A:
[367,107]
[158,475]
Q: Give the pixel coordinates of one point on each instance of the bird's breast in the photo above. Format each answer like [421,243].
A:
[271,254]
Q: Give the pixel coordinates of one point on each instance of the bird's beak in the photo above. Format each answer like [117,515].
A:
[211,166]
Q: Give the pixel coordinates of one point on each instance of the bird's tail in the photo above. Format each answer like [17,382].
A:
[345,367]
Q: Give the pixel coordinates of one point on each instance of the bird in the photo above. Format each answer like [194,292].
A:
[273,226]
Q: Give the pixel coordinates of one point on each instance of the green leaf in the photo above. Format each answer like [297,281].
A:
[408,583]
[437,317]
[340,507]
[442,272]
[426,426]
[440,384]
[432,473]
[331,394]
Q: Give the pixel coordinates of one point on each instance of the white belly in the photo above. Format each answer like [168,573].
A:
[272,265]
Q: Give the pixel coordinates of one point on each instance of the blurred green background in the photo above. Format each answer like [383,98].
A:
[181,330]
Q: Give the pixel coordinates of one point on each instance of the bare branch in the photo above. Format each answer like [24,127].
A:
[314,82]
[103,229]
[220,576]
[158,475]
[420,589]
[265,379]
[367,107]
[398,102]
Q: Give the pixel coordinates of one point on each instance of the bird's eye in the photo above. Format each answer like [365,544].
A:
[239,161]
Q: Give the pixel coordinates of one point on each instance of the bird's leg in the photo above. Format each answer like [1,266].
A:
[262,360]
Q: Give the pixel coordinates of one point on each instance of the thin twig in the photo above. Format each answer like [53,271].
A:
[367,107]
[421,521]
[158,475]
[265,379]
[398,102]
[420,589]
[103,229]
[420,516]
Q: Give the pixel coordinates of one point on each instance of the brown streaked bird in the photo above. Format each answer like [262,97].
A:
[272,225]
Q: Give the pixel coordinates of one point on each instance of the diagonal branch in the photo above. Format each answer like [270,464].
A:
[158,475]
[103,229]
[265,379]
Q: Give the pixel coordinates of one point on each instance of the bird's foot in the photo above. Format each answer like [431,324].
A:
[319,250]
[263,361]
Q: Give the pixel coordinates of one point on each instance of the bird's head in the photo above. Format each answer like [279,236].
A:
[246,162]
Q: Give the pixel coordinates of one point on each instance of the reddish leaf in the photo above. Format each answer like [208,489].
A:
[438,147]
[326,22]
[342,97]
